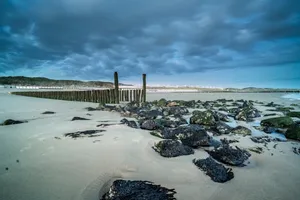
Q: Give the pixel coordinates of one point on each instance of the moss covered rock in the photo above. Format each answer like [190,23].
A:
[293,132]
[203,118]
[293,114]
[162,102]
[278,122]
[241,130]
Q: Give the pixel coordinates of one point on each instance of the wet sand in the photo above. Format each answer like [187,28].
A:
[68,169]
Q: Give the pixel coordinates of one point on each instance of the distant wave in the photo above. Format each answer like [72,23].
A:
[292,96]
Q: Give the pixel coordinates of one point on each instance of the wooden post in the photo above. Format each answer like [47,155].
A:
[144,88]
[117,101]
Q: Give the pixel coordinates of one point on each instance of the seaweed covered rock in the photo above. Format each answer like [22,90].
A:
[176,110]
[278,122]
[293,132]
[87,133]
[149,125]
[247,114]
[229,155]
[222,128]
[203,118]
[12,122]
[138,190]
[129,123]
[293,114]
[221,117]
[217,172]
[48,113]
[149,114]
[172,148]
[79,118]
[241,130]
[162,102]
[191,135]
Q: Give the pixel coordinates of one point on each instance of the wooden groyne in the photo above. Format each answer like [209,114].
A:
[113,96]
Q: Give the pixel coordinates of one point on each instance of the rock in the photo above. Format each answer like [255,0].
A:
[217,172]
[203,118]
[222,128]
[293,114]
[17,161]
[130,123]
[226,141]
[257,150]
[167,123]
[12,122]
[48,113]
[247,114]
[191,135]
[221,117]
[149,114]
[162,102]
[91,109]
[6,168]
[264,139]
[150,125]
[229,155]
[171,104]
[88,133]
[269,129]
[278,122]
[172,148]
[241,130]
[293,132]
[296,150]
[270,114]
[176,110]
[138,190]
[79,118]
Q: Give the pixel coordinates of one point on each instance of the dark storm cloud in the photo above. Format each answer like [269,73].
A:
[92,38]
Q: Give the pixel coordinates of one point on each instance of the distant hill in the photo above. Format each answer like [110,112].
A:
[41,81]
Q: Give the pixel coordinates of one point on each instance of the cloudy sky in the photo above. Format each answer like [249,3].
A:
[229,43]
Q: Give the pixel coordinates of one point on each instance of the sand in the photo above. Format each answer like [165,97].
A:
[69,169]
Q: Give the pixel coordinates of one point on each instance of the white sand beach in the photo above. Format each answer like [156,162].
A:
[52,168]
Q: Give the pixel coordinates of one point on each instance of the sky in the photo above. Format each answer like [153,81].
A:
[228,43]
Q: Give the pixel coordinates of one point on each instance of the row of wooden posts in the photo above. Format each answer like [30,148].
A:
[114,96]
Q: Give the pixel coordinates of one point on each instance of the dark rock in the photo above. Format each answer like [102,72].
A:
[79,118]
[221,117]
[149,114]
[6,168]
[271,114]
[191,135]
[226,141]
[269,129]
[58,138]
[293,114]
[91,109]
[278,122]
[264,139]
[176,110]
[17,161]
[167,123]
[88,133]
[88,114]
[150,125]
[293,132]
[247,114]
[172,148]
[203,118]
[48,113]
[138,190]
[229,155]
[241,130]
[222,128]
[12,122]
[217,172]
[296,150]
[257,150]
[130,123]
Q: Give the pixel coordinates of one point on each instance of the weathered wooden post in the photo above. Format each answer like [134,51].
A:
[117,101]
[144,88]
